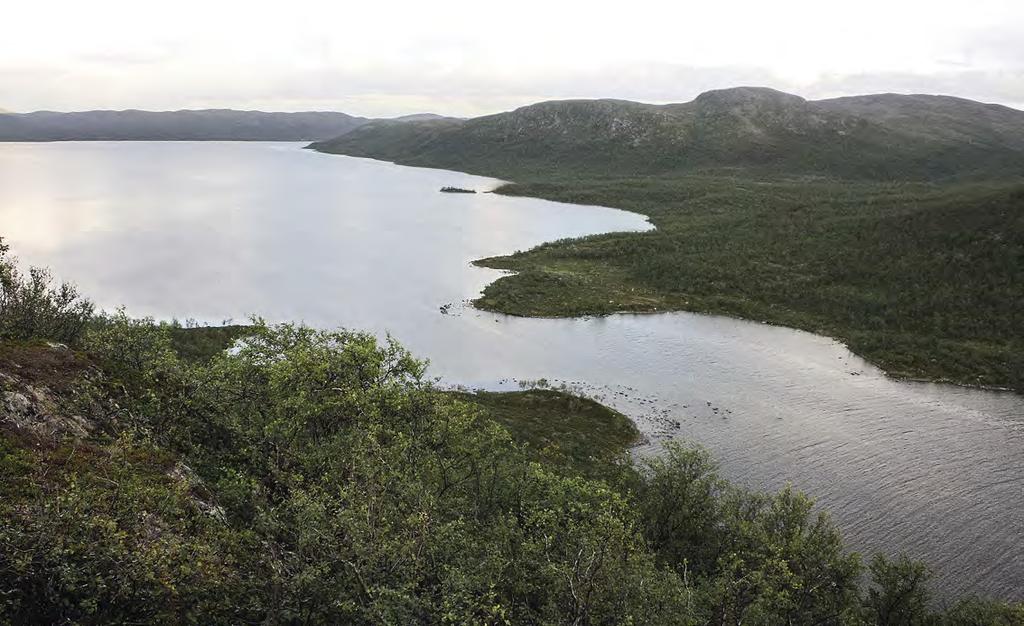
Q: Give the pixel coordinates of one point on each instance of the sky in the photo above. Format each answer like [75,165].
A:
[385,57]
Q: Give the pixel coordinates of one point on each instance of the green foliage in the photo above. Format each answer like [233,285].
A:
[680,504]
[317,477]
[110,537]
[33,307]
[309,477]
[753,558]
[199,343]
[898,595]
[976,612]
[563,430]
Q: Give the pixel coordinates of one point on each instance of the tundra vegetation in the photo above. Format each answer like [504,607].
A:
[149,475]
[893,223]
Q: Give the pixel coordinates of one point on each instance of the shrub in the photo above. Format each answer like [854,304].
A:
[312,477]
[33,306]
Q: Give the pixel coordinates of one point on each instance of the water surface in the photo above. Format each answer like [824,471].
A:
[217,231]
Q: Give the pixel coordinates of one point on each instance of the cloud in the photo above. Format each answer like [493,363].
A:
[451,91]
[392,57]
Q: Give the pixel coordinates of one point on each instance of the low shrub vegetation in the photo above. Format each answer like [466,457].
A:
[33,305]
[923,279]
[319,477]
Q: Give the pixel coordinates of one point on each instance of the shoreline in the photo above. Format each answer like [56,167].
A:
[475,303]
[510,188]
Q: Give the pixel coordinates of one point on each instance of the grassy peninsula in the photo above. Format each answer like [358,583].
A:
[148,476]
[893,223]
[922,279]
[562,429]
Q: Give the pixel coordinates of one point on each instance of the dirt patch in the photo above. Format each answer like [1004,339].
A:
[35,382]
[53,366]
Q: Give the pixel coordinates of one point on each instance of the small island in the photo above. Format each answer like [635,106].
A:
[456,190]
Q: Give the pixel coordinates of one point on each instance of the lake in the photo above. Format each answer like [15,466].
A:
[219,230]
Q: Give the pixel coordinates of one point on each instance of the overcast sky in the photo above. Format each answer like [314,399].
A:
[462,57]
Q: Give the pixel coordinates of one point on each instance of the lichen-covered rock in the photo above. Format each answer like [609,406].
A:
[16,405]
[34,410]
[37,387]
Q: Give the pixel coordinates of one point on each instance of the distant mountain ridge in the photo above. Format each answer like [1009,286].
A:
[185,125]
[883,136]
[422,117]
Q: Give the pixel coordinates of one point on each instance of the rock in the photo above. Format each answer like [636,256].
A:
[16,405]
[34,411]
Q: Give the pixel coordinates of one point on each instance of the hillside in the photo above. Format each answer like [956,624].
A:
[421,117]
[150,476]
[213,124]
[893,223]
[941,118]
[754,129]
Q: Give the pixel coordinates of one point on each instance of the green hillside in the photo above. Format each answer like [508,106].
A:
[894,223]
[887,137]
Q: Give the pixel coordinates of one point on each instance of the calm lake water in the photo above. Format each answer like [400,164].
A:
[217,231]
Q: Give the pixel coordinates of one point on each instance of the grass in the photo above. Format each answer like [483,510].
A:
[924,279]
[561,428]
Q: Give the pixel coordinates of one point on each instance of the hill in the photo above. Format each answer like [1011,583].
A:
[755,129]
[212,124]
[421,117]
[893,223]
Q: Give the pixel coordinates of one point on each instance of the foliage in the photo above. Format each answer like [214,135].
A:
[754,558]
[199,343]
[308,477]
[563,430]
[317,477]
[975,612]
[33,307]
[898,595]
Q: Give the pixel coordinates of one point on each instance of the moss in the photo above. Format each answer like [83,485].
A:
[16,463]
[42,365]
[560,428]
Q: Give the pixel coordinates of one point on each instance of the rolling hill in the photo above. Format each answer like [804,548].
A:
[759,130]
[211,124]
